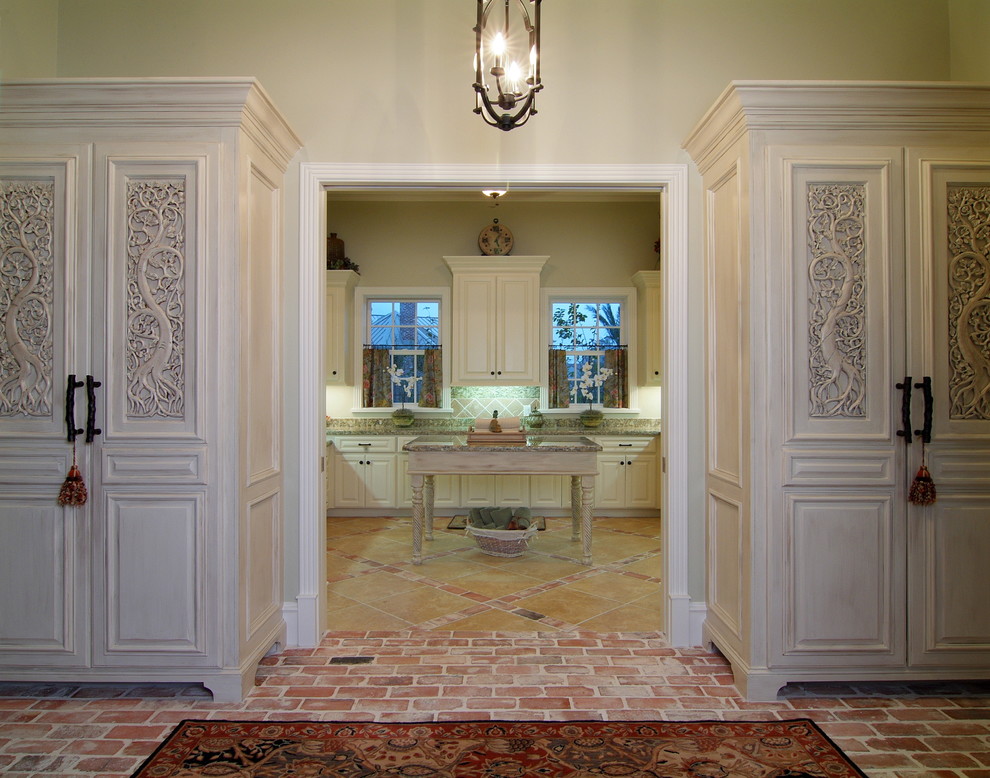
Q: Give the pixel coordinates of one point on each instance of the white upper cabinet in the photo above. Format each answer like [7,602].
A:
[339,318]
[496,320]
[650,326]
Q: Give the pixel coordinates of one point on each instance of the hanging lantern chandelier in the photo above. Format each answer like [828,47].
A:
[507,62]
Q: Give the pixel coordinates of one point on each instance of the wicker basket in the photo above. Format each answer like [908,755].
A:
[502,542]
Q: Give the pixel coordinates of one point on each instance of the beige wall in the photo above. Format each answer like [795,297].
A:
[389,81]
[969,40]
[589,244]
[28,38]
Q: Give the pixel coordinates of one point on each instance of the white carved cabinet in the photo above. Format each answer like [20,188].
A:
[496,320]
[140,229]
[848,230]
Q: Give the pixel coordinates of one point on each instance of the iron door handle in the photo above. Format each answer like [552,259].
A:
[905,430]
[926,391]
[70,408]
[91,429]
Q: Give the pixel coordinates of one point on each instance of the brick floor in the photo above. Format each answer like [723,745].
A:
[889,730]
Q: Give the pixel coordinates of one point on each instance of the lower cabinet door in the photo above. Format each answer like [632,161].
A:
[546,491]
[642,477]
[348,480]
[477,491]
[378,474]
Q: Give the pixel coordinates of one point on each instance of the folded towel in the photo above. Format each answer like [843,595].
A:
[495,518]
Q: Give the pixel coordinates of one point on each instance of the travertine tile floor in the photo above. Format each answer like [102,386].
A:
[555,673]
[373,585]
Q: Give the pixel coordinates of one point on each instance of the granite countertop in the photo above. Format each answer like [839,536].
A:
[546,443]
[385,426]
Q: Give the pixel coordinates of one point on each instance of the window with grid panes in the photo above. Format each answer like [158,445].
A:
[585,330]
[405,327]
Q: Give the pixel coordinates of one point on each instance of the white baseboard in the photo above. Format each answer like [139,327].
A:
[290,612]
[698,611]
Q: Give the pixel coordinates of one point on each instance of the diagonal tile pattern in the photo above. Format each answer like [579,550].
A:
[458,584]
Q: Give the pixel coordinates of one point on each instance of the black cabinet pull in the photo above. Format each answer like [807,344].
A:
[926,391]
[905,430]
[70,408]
[91,429]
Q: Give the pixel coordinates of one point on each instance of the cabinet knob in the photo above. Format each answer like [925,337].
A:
[333,372]
[493,372]
[656,372]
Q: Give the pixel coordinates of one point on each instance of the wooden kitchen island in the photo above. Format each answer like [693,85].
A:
[572,455]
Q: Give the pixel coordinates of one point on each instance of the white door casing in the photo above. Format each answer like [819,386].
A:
[683,622]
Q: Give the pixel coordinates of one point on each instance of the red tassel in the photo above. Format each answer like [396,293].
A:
[73,491]
[922,491]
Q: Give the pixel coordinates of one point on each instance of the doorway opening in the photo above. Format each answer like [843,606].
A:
[308,622]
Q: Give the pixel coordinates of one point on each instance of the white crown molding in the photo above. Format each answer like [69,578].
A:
[828,106]
[153,102]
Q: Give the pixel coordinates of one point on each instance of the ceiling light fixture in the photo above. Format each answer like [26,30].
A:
[493,193]
[505,37]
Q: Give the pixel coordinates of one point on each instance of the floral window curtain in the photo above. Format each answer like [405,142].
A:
[615,391]
[376,383]
[431,388]
[558,386]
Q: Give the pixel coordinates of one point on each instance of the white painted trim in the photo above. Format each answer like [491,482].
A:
[317,177]
[697,612]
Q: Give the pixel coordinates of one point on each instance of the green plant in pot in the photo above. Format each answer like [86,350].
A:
[402,416]
[589,387]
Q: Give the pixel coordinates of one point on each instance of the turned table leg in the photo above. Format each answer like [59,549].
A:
[428,505]
[575,506]
[417,518]
[587,503]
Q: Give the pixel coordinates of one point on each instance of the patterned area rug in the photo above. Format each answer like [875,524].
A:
[704,749]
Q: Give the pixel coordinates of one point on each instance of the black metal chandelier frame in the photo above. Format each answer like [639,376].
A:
[503,104]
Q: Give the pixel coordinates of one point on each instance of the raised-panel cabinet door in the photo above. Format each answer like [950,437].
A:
[836,581]
[348,480]
[950,539]
[44,551]
[837,358]
[516,360]
[642,478]
[512,491]
[150,341]
[379,480]
[477,491]
[474,329]
[546,491]
[610,486]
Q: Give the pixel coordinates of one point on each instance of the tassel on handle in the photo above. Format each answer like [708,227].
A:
[922,491]
[73,491]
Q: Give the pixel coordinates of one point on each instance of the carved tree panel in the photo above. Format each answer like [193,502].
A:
[27,294]
[969,301]
[837,293]
[156,299]
[845,319]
